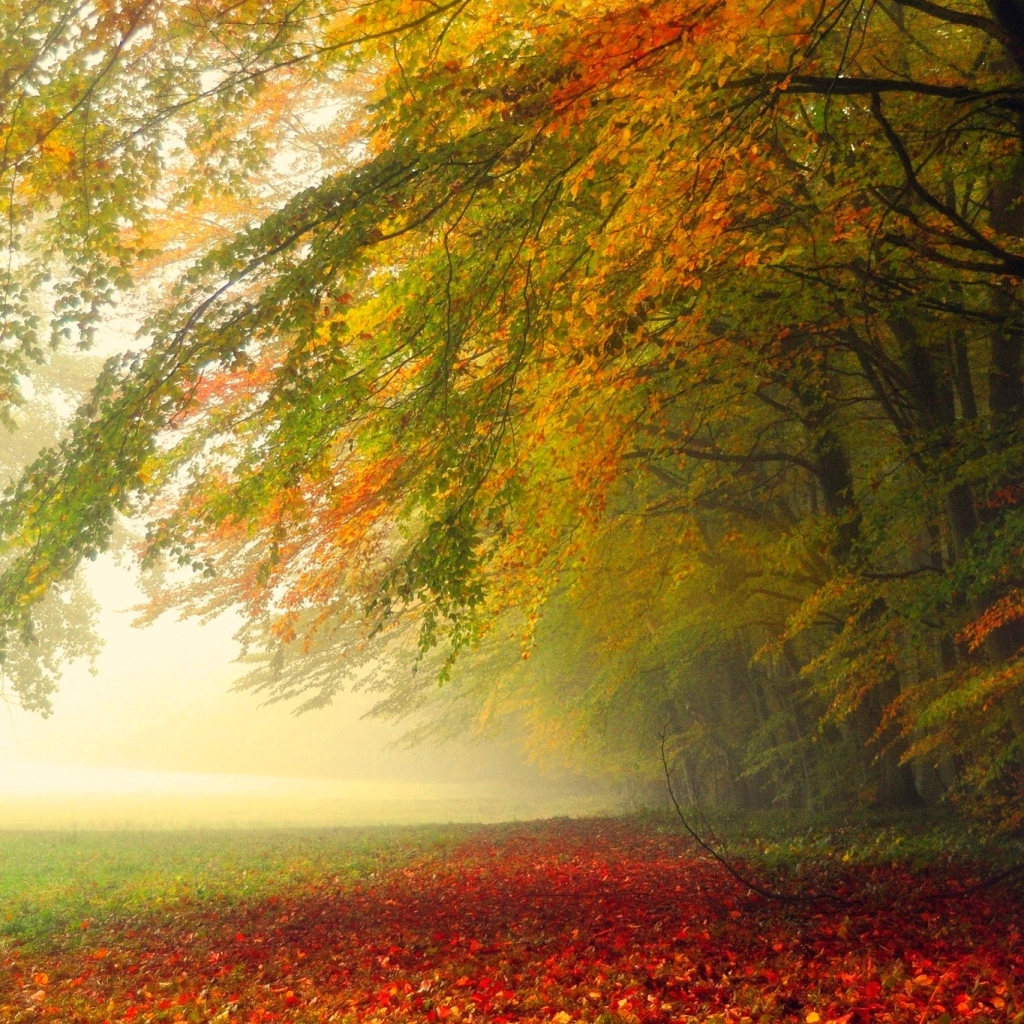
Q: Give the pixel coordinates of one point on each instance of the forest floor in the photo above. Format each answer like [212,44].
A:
[614,921]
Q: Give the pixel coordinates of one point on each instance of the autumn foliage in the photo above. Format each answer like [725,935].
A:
[637,369]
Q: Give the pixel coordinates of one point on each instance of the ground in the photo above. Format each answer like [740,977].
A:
[605,920]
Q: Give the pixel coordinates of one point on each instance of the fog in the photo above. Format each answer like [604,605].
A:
[157,738]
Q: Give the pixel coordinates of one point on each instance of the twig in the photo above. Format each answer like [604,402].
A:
[709,849]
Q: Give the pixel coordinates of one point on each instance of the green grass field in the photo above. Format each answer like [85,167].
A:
[52,882]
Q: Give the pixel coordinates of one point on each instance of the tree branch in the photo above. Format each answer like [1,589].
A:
[947,14]
[713,455]
[770,894]
[841,85]
[978,242]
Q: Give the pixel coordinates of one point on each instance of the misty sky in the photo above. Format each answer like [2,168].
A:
[161,704]
[161,699]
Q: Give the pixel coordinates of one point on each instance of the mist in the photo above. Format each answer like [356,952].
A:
[153,736]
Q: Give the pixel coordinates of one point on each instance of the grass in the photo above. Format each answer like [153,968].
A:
[53,882]
[784,843]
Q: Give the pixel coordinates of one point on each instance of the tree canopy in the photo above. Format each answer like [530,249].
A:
[633,369]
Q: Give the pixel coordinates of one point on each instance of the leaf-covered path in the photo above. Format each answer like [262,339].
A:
[560,921]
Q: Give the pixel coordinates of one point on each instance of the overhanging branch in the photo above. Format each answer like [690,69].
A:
[843,85]
[952,17]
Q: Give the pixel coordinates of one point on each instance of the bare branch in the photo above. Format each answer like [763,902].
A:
[947,14]
[976,241]
[782,897]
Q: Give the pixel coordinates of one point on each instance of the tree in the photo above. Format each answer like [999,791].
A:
[719,304]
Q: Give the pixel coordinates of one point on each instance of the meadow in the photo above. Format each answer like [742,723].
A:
[613,920]
[54,882]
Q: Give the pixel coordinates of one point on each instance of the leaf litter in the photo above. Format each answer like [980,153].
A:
[603,920]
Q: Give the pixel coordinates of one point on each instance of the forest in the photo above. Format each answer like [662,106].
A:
[646,376]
